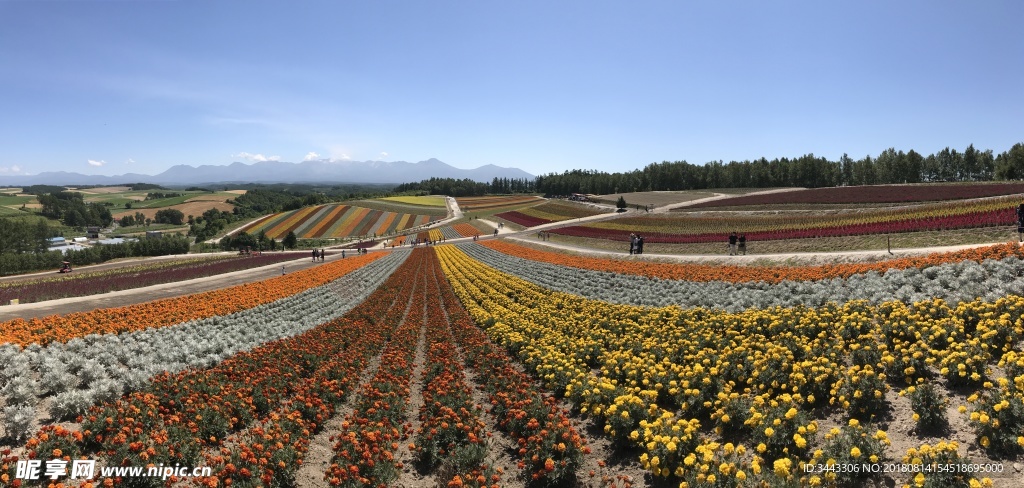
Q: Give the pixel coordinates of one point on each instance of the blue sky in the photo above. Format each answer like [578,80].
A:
[109,87]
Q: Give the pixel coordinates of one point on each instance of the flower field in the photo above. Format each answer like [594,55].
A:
[763,227]
[497,365]
[872,194]
[337,221]
[92,283]
[545,213]
[478,204]
[716,398]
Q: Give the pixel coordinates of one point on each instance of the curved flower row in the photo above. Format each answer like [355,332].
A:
[937,215]
[653,376]
[550,449]
[178,416]
[739,274]
[133,277]
[451,432]
[271,453]
[99,368]
[161,313]
[955,282]
[364,450]
[466,230]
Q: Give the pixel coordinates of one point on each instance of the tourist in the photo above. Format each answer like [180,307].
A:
[639,244]
[632,243]
[743,244]
[732,244]
[314,255]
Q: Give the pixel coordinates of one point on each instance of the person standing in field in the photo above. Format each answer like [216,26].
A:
[732,244]
[314,255]
[1020,222]
[743,244]
[632,243]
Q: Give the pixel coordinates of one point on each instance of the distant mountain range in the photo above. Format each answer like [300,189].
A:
[319,171]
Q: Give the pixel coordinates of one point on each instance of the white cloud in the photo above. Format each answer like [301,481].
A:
[15,169]
[129,161]
[311,156]
[383,154]
[93,162]
[259,158]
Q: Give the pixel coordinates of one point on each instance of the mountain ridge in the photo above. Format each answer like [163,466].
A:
[313,171]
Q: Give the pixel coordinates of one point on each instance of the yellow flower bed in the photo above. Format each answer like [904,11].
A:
[649,374]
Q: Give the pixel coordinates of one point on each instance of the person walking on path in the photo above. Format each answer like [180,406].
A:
[632,243]
[323,254]
[342,254]
[639,244]
[314,255]
[732,244]
[743,244]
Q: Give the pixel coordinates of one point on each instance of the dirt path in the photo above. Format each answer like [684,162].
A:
[321,448]
[409,475]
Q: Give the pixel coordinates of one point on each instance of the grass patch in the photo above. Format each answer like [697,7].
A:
[12,200]
[656,198]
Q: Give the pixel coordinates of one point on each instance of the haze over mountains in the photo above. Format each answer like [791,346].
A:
[318,171]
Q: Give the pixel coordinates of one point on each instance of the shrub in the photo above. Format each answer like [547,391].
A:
[853,444]
[70,404]
[929,407]
[18,420]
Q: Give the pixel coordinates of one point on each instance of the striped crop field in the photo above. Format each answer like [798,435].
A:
[693,228]
[551,211]
[335,221]
[474,204]
[424,200]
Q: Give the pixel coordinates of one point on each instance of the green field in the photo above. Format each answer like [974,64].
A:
[9,200]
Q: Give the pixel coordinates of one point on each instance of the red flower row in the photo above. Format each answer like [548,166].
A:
[523,219]
[269,455]
[451,430]
[550,449]
[364,451]
[991,218]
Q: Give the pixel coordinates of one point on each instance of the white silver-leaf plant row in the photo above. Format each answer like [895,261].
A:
[953,282]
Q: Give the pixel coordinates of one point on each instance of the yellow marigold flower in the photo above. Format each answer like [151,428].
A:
[855,452]
[984,441]
[761,447]
[782,467]
[919,479]
[854,423]
[769,431]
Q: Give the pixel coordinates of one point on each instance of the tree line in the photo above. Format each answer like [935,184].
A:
[467,187]
[889,167]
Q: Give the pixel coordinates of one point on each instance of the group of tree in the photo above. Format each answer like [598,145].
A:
[15,262]
[171,216]
[467,187]
[157,195]
[70,208]
[138,218]
[891,166]
[209,224]
[18,235]
[258,241]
